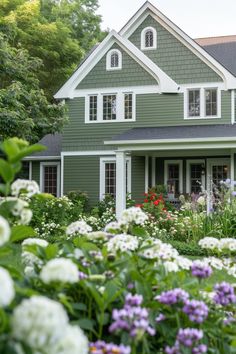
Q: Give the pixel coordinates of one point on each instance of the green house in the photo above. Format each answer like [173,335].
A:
[149,105]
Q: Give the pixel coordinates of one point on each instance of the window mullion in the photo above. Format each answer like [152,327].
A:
[100,108]
[202,103]
[120,106]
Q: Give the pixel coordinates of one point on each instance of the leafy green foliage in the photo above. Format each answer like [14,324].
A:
[57,32]
[25,111]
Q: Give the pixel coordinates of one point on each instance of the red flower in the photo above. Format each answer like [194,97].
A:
[156,202]
[139,205]
[145,200]
[152,197]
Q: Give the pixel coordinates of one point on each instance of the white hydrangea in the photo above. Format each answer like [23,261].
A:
[232,271]
[29,259]
[227,244]
[113,227]
[133,215]
[80,227]
[28,187]
[123,243]
[59,270]
[73,341]
[183,263]
[159,250]
[171,267]
[18,205]
[7,292]
[5,231]
[97,236]
[26,216]
[209,243]
[39,322]
[214,262]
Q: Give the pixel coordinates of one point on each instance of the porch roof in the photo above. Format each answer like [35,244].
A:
[196,133]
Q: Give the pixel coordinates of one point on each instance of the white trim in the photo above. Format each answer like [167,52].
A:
[153,171]
[173,147]
[176,162]
[45,158]
[149,9]
[143,38]
[62,174]
[232,168]
[233,106]
[42,164]
[88,153]
[138,90]
[165,82]
[169,141]
[202,102]
[120,106]
[30,170]
[217,162]
[112,159]
[188,177]
[108,60]
[146,173]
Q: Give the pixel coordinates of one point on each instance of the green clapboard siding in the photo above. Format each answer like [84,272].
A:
[82,173]
[131,74]
[152,110]
[138,178]
[173,57]
[36,171]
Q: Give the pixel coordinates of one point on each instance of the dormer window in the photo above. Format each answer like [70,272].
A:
[148,38]
[114,60]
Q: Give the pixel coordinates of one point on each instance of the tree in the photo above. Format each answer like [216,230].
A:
[59,32]
[24,109]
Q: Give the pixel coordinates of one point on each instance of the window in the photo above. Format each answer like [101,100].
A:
[108,176]
[148,38]
[114,60]
[93,106]
[174,176]
[194,103]
[195,175]
[109,107]
[49,178]
[103,107]
[202,103]
[128,105]
[211,102]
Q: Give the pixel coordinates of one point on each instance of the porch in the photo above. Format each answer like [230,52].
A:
[179,163]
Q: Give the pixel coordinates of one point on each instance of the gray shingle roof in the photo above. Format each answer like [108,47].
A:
[225,53]
[53,142]
[178,132]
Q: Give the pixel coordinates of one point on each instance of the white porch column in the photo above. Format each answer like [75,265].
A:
[232,177]
[120,182]
[153,171]
[146,173]
[30,170]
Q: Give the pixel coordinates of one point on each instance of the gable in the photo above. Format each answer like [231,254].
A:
[173,57]
[131,74]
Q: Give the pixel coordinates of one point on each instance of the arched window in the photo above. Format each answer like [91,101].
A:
[114,60]
[148,38]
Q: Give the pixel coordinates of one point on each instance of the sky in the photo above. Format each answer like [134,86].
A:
[198,18]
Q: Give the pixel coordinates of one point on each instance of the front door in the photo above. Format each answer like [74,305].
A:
[218,170]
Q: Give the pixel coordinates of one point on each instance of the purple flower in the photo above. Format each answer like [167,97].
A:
[189,336]
[201,270]
[160,318]
[197,311]
[234,194]
[101,347]
[201,348]
[82,275]
[172,350]
[224,294]
[172,297]
[132,318]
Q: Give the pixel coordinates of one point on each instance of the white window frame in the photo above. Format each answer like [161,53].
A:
[108,60]
[176,162]
[112,159]
[120,107]
[41,184]
[188,176]
[143,35]
[202,102]
[217,162]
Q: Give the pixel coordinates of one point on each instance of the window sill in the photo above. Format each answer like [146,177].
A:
[202,118]
[148,48]
[114,69]
[110,121]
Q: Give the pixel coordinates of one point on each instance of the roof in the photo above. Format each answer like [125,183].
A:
[53,143]
[225,53]
[177,132]
[215,40]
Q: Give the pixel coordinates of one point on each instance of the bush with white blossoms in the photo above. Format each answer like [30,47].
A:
[24,186]
[120,286]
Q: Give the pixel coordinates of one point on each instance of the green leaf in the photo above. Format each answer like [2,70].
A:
[20,232]
[27,152]
[51,251]
[6,171]
[86,323]
[139,231]
[10,148]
